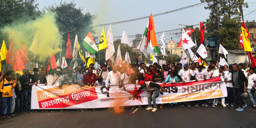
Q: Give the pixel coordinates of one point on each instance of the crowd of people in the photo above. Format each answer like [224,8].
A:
[240,82]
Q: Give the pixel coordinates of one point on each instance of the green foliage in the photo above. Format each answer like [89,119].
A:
[225,21]
[230,33]
[71,19]
[13,10]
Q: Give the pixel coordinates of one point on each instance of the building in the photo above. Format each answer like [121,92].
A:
[252,30]
[173,49]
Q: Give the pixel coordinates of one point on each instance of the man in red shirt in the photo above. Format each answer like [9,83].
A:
[90,78]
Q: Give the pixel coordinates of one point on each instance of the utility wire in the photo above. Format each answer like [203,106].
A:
[249,13]
[169,30]
[146,17]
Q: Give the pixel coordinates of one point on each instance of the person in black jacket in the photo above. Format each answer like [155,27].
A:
[239,82]
[26,81]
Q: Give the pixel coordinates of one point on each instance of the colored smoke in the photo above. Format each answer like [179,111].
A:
[119,103]
[41,36]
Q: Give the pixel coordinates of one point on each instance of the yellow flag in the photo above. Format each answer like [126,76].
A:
[103,41]
[203,63]
[3,51]
[246,40]
[80,52]
[19,72]
[90,61]
[151,57]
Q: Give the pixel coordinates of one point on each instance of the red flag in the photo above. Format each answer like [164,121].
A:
[53,61]
[20,65]
[189,31]
[48,68]
[24,53]
[21,59]
[246,30]
[253,63]
[68,48]
[150,27]
[202,29]
[179,45]
[10,58]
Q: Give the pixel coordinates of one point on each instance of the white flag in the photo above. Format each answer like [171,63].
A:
[202,51]
[193,57]
[75,65]
[118,55]
[58,63]
[142,45]
[155,60]
[184,58]
[127,57]
[97,65]
[64,63]
[163,45]
[222,50]
[125,39]
[162,38]
[222,62]
[187,42]
[110,51]
[75,48]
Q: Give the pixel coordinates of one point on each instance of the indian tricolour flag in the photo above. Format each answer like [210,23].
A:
[89,44]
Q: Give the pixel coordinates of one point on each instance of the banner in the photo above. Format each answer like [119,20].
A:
[81,97]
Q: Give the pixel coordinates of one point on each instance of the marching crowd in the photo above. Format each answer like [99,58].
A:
[240,82]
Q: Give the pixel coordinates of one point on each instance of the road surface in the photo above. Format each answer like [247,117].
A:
[167,117]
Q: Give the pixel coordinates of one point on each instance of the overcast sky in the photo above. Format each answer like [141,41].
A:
[115,10]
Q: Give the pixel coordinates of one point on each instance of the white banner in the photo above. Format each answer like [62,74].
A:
[77,97]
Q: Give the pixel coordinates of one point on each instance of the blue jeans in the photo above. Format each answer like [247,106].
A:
[6,104]
[27,99]
[152,98]
[251,97]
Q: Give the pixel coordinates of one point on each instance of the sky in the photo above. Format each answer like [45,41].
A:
[115,10]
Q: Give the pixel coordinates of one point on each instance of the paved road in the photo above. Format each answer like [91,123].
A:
[168,117]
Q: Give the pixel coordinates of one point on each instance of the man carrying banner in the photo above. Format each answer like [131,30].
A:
[153,90]
[113,79]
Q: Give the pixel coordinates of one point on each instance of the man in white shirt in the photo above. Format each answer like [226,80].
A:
[208,73]
[124,79]
[185,73]
[113,78]
[228,82]
[200,74]
[251,85]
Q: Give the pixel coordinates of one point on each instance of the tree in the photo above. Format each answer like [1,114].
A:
[72,20]
[224,21]
[13,10]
